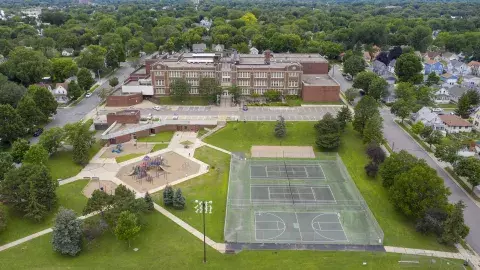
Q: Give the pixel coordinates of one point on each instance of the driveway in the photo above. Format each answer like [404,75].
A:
[400,140]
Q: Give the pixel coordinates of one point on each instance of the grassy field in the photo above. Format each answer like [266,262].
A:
[201,132]
[61,163]
[239,136]
[128,157]
[164,136]
[189,101]
[398,230]
[210,186]
[163,245]
[69,196]
[159,146]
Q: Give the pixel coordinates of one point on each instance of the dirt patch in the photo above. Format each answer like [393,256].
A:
[128,148]
[107,186]
[175,167]
[282,151]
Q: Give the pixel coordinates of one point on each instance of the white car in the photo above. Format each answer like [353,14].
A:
[88,95]
[156,108]
[149,117]
[437,110]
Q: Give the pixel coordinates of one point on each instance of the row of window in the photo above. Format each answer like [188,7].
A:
[211,74]
[264,83]
[194,91]
[277,75]
[188,74]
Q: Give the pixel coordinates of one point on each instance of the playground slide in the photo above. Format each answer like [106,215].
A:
[131,173]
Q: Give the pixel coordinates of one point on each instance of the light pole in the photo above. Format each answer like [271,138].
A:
[203,207]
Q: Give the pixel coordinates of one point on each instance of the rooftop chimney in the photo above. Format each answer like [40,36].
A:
[268,55]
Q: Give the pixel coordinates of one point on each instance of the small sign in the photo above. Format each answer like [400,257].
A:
[199,207]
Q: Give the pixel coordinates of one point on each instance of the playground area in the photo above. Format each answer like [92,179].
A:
[104,185]
[117,150]
[155,171]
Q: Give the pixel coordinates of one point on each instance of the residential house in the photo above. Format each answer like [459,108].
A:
[205,22]
[449,79]
[379,68]
[458,68]
[436,56]
[471,81]
[391,66]
[442,96]
[456,92]
[67,52]
[433,66]
[61,93]
[390,97]
[199,48]
[474,67]
[428,118]
[449,56]
[455,124]
[218,47]
[253,50]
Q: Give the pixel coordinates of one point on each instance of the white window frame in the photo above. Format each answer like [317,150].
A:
[160,91]
[292,83]
[245,91]
[194,91]
[260,74]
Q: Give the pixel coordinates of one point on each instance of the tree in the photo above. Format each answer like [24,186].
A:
[10,92]
[63,68]
[432,221]
[363,80]
[36,155]
[344,116]
[469,168]
[432,79]
[209,88]
[365,108]
[448,152]
[354,65]
[149,201]
[178,200]
[408,67]
[395,164]
[94,228]
[375,153]
[235,91]
[351,94]
[113,81]
[81,138]
[3,220]
[454,228]
[67,233]
[28,111]
[11,124]
[463,107]
[112,59]
[26,66]
[84,78]
[473,97]
[149,48]
[417,190]
[99,201]
[52,139]
[249,18]
[168,194]
[93,58]
[373,131]
[104,92]
[426,131]
[435,137]
[280,128]
[19,148]
[418,127]
[420,37]
[44,100]
[74,90]
[329,132]
[29,189]
[272,95]
[127,226]
[6,164]
[371,169]
[180,89]
[378,88]
[402,108]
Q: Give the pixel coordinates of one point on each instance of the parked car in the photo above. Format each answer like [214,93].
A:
[437,110]
[348,77]
[88,95]
[38,132]
[149,117]
[156,108]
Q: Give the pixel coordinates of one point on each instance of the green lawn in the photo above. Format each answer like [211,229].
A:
[240,136]
[201,132]
[128,157]
[69,196]
[61,163]
[163,245]
[189,101]
[164,136]
[210,186]
[398,230]
[159,146]
[447,106]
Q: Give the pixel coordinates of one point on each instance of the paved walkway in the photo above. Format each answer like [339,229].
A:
[217,148]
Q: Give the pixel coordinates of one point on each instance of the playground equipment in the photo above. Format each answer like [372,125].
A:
[141,171]
[118,149]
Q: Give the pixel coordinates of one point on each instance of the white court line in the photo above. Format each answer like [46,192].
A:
[272,238]
[313,192]
[344,232]
[323,236]
[320,227]
[300,231]
[306,172]
[268,189]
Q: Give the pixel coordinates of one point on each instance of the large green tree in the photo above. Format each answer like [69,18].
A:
[363,80]
[93,58]
[81,138]
[74,90]
[30,190]
[470,169]
[395,164]
[29,112]
[26,65]
[454,228]
[354,65]
[363,111]
[180,89]
[209,88]
[378,88]
[408,67]
[10,92]
[67,233]
[127,227]
[44,100]
[63,68]
[11,124]
[417,190]
[19,148]
[373,131]
[448,152]
[85,79]
[6,164]
[52,139]
[328,132]
[36,154]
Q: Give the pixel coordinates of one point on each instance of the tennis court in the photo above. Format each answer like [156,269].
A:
[296,201]
[292,172]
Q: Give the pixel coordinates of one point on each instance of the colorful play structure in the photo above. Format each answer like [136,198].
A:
[118,149]
[141,171]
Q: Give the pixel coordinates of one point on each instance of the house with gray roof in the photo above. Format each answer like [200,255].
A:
[456,67]
[456,92]
[379,68]
[199,48]
[428,118]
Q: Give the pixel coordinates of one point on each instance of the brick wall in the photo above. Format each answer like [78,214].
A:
[123,101]
[320,93]
[121,139]
[123,118]
[315,68]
